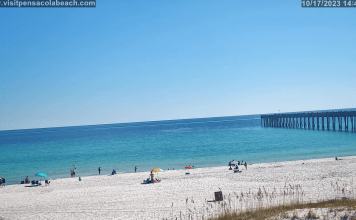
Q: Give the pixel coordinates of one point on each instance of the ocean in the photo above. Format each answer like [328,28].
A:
[205,142]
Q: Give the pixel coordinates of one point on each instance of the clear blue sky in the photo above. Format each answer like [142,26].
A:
[129,61]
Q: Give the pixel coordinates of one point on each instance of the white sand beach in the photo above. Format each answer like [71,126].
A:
[122,196]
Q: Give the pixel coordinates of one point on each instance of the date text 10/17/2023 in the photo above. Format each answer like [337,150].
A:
[328,3]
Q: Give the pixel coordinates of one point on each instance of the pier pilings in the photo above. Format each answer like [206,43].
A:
[328,120]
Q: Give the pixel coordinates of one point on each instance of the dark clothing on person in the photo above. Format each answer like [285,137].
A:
[135,168]
[245,164]
[99,170]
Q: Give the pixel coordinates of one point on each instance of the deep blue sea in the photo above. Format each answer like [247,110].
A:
[206,142]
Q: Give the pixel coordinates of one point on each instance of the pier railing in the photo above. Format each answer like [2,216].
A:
[329,120]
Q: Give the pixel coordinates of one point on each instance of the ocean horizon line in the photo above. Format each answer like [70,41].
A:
[168,120]
[132,122]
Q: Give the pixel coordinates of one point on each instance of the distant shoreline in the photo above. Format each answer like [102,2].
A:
[181,169]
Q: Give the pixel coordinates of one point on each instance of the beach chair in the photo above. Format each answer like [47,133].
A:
[218,196]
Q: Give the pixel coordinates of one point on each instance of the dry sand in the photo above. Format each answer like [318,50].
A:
[122,196]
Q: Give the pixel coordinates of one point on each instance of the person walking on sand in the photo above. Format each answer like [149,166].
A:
[245,164]
[135,168]
[99,170]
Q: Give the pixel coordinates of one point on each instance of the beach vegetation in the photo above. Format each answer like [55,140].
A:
[347,207]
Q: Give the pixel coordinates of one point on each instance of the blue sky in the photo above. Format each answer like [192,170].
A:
[129,61]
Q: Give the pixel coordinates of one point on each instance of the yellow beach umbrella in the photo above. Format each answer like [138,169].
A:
[156,170]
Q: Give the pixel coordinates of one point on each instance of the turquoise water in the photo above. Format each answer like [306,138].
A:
[204,142]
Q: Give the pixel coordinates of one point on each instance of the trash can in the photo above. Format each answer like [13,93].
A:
[218,196]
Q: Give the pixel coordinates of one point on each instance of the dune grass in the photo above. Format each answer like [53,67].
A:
[280,212]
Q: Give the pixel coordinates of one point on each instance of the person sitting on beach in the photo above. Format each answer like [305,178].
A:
[152,177]
[336,158]
[27,180]
[3,181]
[113,172]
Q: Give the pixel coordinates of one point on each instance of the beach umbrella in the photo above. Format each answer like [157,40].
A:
[156,170]
[188,167]
[233,162]
[41,175]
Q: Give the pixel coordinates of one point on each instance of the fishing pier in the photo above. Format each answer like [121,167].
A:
[326,120]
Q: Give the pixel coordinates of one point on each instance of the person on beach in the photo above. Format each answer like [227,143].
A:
[75,167]
[336,158]
[236,169]
[113,172]
[245,164]
[135,168]
[80,178]
[152,177]
[99,170]
[27,180]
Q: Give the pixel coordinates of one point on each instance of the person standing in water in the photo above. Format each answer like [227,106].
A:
[99,170]
[135,168]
